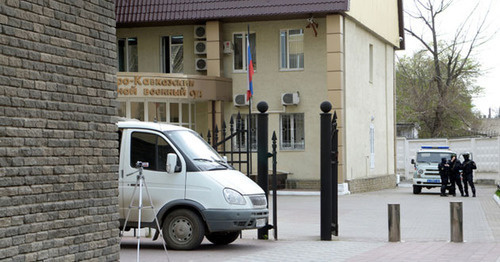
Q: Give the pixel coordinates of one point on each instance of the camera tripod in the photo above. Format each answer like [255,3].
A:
[141,182]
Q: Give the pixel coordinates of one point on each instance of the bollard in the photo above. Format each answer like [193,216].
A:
[394,223]
[456,222]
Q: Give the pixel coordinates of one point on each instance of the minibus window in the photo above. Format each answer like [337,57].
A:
[150,148]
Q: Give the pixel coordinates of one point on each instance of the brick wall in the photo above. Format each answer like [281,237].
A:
[58,146]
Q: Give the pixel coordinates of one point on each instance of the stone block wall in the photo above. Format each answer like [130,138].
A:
[372,183]
[58,145]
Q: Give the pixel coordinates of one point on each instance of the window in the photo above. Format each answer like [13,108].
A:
[241,140]
[182,114]
[172,54]
[150,148]
[127,54]
[292,131]
[137,110]
[240,51]
[292,49]
[157,112]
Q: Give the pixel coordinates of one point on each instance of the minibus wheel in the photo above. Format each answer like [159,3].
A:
[417,189]
[223,238]
[183,229]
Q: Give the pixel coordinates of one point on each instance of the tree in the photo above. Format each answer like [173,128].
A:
[418,97]
[436,84]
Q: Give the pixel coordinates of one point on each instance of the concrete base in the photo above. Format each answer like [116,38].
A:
[343,189]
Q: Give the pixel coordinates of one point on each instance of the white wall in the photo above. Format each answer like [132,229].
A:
[364,100]
[485,152]
[381,16]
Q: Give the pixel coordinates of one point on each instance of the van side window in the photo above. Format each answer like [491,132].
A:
[151,148]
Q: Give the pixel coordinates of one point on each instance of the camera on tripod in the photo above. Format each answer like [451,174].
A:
[140,164]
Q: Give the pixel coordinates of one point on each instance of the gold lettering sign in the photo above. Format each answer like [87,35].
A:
[147,86]
[152,81]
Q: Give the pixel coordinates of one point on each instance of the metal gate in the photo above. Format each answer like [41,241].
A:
[234,144]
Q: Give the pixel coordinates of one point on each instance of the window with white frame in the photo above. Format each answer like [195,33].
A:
[172,54]
[172,112]
[240,141]
[292,132]
[292,49]
[127,55]
[240,51]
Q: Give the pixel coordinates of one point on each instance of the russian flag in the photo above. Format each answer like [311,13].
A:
[249,69]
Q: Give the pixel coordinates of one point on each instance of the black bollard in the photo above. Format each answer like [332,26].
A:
[326,171]
[262,158]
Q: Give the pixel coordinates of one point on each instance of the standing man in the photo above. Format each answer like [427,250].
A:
[467,168]
[444,170]
[455,167]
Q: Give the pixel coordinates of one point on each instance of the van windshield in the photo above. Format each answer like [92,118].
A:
[196,149]
[432,157]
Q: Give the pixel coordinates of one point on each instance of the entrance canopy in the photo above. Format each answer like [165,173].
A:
[178,86]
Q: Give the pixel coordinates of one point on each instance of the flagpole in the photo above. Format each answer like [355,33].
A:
[249,129]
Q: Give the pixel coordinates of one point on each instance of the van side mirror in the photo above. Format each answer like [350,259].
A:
[171,163]
[413,161]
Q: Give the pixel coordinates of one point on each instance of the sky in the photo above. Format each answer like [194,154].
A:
[488,54]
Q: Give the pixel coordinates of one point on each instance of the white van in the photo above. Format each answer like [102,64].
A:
[194,191]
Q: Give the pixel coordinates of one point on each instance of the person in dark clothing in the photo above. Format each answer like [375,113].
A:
[454,175]
[444,170]
[467,168]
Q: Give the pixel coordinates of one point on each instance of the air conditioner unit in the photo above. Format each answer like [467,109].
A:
[201,64]
[199,31]
[240,100]
[288,99]
[200,47]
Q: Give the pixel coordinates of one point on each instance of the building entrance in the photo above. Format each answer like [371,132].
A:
[182,113]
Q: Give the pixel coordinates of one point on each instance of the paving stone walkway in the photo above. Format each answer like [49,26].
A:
[363,235]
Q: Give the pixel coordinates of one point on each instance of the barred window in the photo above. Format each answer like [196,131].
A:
[292,132]
[241,140]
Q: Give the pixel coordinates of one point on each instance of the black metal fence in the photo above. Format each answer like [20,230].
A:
[329,172]
[233,143]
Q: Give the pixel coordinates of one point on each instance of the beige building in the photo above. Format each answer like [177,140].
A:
[186,64]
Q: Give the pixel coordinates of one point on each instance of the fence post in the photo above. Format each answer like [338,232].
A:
[262,157]
[394,222]
[456,222]
[326,171]
[335,176]
[275,188]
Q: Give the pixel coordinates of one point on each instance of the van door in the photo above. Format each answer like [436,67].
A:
[151,147]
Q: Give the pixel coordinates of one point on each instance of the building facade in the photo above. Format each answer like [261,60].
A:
[186,64]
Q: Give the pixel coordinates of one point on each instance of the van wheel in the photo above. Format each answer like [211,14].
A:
[223,238]
[183,229]
[417,189]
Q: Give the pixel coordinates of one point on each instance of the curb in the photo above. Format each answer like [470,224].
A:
[302,193]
